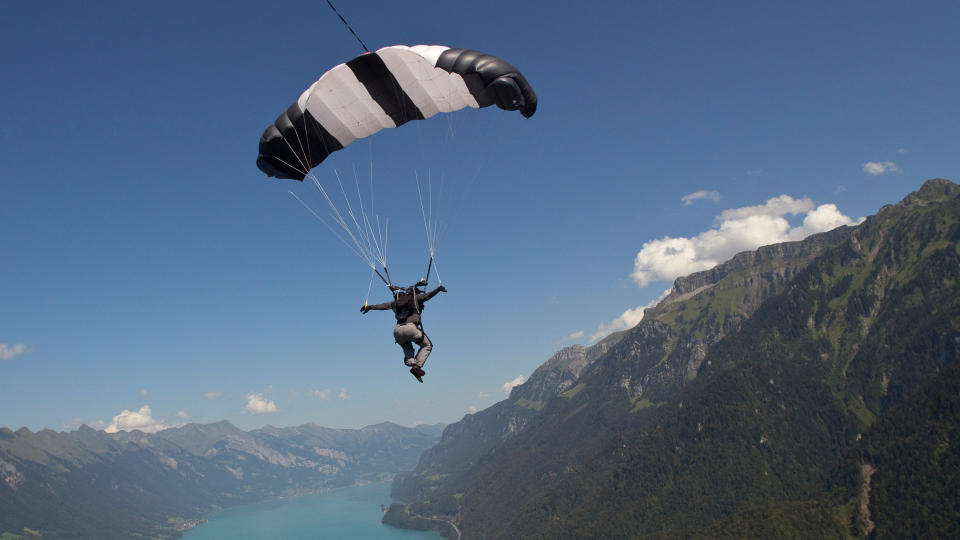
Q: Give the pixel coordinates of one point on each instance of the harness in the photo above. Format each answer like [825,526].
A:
[412,292]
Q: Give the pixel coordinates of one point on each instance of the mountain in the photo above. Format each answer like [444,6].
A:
[465,442]
[799,390]
[91,484]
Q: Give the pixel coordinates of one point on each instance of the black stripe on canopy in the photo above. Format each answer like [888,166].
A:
[294,144]
[384,88]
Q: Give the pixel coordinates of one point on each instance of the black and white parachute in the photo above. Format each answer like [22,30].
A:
[386,89]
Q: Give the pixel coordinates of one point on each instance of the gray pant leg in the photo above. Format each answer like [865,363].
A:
[425,348]
[404,334]
[408,354]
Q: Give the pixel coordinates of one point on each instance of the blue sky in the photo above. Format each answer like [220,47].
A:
[153,276]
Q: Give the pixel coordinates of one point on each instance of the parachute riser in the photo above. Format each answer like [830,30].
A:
[385,282]
[426,277]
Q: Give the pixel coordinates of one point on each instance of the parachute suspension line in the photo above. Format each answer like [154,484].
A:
[304,168]
[450,129]
[369,288]
[345,23]
[303,152]
[334,231]
[372,236]
[361,249]
[372,244]
[363,241]
[367,238]
[436,272]
[306,135]
[292,166]
[430,223]
[441,226]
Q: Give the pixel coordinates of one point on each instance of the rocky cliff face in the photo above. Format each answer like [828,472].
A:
[806,249]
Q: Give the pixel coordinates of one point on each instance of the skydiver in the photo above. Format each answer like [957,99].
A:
[407,306]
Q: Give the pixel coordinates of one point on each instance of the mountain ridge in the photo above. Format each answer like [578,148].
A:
[92,484]
[745,390]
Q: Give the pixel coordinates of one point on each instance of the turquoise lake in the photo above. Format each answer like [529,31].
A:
[352,512]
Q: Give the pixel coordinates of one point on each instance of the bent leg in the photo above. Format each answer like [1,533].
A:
[426,347]
[409,355]
[404,334]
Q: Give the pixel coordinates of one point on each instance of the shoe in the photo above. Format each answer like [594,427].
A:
[418,373]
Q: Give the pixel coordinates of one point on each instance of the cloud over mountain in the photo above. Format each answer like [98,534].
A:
[257,404]
[141,420]
[509,385]
[736,230]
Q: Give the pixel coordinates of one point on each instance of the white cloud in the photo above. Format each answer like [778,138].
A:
[136,420]
[875,168]
[483,395]
[472,409]
[257,404]
[702,194]
[143,392]
[9,352]
[628,319]
[902,151]
[777,206]
[343,394]
[573,337]
[825,217]
[212,395]
[183,415]
[320,394]
[508,386]
[737,229]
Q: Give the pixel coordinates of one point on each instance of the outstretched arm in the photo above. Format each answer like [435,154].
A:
[385,305]
[426,296]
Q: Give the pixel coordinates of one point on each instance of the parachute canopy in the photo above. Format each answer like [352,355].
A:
[386,89]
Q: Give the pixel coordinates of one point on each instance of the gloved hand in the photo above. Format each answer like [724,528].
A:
[364,309]
[442,288]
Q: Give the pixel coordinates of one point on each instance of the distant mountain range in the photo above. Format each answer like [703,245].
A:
[91,484]
[804,390]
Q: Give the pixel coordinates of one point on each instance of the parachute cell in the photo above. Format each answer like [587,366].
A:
[386,89]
